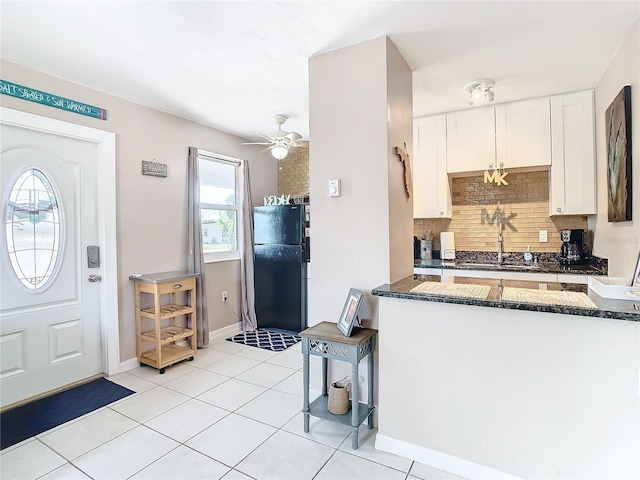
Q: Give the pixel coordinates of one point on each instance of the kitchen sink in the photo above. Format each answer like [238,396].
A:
[500,266]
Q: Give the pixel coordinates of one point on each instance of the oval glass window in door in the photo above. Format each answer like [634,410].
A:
[32,226]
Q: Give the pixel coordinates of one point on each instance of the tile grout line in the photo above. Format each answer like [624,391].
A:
[228,412]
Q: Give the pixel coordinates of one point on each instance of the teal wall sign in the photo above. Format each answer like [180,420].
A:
[44,98]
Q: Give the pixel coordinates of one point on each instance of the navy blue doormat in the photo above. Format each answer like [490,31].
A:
[36,417]
[274,341]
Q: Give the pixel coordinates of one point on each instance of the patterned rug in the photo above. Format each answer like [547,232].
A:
[453,289]
[274,341]
[547,297]
[38,416]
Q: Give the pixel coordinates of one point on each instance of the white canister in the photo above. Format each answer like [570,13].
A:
[447,246]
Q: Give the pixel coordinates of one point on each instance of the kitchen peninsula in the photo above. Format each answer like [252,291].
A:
[497,388]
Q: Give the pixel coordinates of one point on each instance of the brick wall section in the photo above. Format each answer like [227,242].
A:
[293,173]
[524,204]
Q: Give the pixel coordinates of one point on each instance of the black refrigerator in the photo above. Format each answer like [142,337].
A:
[280,268]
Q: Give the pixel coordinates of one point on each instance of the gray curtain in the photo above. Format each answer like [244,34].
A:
[247,299]
[195,259]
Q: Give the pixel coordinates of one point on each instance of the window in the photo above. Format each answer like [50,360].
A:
[32,227]
[219,210]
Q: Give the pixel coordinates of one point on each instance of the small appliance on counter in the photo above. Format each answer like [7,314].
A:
[447,246]
[426,246]
[573,250]
[416,248]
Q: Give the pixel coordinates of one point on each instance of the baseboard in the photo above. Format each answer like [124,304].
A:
[439,460]
[214,336]
[225,332]
[129,364]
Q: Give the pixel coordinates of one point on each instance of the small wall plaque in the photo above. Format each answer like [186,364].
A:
[154,169]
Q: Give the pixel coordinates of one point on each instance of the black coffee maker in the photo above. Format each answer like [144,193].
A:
[572,251]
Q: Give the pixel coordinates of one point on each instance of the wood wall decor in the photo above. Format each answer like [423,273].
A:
[403,157]
[51,100]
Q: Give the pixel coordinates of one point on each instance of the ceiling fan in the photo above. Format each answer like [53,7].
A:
[279,142]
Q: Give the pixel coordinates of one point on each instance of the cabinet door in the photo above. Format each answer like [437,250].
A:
[523,134]
[572,181]
[431,185]
[470,140]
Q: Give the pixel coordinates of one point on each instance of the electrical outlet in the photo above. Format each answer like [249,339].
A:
[224,296]
[542,236]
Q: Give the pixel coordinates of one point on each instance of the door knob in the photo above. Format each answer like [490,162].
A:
[95,278]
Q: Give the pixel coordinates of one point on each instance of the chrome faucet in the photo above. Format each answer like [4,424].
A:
[499,236]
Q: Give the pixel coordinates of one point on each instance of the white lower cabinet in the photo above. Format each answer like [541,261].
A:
[501,274]
[572,189]
[427,271]
[431,184]
[570,278]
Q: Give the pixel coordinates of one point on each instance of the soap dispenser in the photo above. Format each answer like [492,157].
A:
[528,256]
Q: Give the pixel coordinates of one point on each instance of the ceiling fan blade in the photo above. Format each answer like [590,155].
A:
[268,148]
[257,143]
[294,136]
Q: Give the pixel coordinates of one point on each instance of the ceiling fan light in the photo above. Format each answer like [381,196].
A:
[279,152]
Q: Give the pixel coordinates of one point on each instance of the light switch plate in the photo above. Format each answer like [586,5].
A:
[334,188]
[542,236]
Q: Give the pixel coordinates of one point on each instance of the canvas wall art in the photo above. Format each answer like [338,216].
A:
[618,138]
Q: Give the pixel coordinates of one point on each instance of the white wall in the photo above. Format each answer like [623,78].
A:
[151,211]
[619,242]
[360,102]
[399,133]
[531,394]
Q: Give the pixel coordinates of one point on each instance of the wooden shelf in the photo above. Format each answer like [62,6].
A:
[168,334]
[167,311]
[157,325]
[169,354]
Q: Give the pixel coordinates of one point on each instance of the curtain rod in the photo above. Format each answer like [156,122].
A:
[217,156]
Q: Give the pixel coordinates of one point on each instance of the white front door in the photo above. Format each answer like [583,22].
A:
[50,310]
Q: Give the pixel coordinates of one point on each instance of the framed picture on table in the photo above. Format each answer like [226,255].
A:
[349,316]
[635,281]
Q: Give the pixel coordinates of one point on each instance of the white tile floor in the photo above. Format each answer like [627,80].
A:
[232,413]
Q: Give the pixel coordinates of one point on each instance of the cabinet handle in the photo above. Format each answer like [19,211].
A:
[558,209]
[441,213]
[177,285]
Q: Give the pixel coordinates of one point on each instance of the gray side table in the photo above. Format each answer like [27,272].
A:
[328,342]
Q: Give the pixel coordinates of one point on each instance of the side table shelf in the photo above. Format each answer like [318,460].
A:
[157,333]
[326,341]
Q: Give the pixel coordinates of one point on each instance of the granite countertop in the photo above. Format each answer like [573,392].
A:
[542,267]
[526,295]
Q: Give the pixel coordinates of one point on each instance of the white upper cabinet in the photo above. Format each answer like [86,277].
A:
[572,180]
[431,185]
[515,135]
[523,134]
[470,140]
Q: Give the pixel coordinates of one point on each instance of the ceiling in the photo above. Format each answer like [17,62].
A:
[232,65]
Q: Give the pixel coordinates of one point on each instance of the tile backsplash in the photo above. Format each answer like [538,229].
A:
[293,173]
[524,206]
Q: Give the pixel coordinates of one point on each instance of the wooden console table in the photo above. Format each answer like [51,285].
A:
[327,341]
